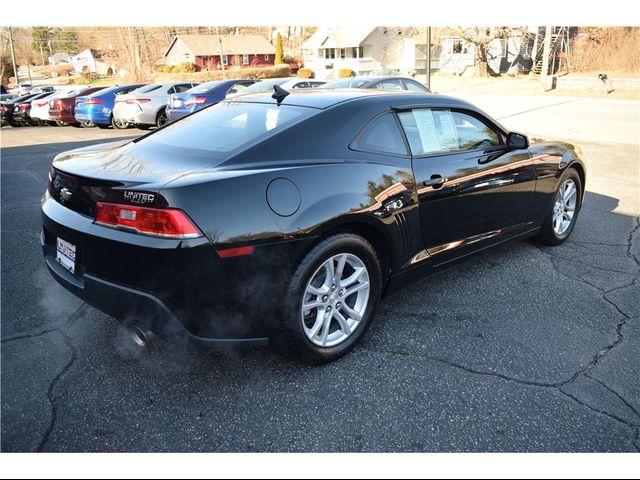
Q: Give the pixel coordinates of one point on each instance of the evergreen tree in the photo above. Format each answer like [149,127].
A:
[279,53]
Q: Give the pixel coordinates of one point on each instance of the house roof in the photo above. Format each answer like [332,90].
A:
[342,37]
[203,45]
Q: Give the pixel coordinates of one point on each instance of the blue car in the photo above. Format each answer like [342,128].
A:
[97,108]
[205,94]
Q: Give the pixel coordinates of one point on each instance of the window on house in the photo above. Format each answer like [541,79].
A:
[356,53]
[266,57]
[457,46]
[225,60]
[343,53]
[329,53]
[385,31]
[245,59]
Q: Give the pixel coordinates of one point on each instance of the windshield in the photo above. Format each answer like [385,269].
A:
[227,126]
[265,85]
[345,83]
[205,87]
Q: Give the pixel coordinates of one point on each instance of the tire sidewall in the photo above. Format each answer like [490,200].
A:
[292,322]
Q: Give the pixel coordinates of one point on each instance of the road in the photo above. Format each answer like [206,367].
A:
[526,348]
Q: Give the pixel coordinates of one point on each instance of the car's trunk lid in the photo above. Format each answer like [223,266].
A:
[121,172]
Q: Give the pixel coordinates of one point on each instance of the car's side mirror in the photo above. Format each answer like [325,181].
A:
[517,141]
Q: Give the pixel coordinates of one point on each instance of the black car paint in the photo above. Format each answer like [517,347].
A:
[183,287]
[7,115]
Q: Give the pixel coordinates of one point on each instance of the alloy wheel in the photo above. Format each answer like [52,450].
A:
[564,207]
[335,300]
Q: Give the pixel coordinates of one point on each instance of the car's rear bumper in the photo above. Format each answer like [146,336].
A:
[173,288]
[176,114]
[100,115]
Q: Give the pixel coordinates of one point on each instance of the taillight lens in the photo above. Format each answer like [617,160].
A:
[3,108]
[92,101]
[195,100]
[23,106]
[138,100]
[163,222]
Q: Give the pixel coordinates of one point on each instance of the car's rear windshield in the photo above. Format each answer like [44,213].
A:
[228,126]
[205,87]
[148,88]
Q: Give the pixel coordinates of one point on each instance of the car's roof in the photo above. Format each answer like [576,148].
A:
[319,98]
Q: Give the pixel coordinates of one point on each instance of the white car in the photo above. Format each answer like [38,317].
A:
[40,108]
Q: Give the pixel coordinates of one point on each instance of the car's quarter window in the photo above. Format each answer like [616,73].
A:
[440,130]
[148,89]
[381,135]
[301,85]
[183,88]
[227,126]
[238,87]
[414,86]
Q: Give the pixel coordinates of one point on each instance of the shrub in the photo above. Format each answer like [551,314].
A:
[63,69]
[346,73]
[206,76]
[306,73]
[187,67]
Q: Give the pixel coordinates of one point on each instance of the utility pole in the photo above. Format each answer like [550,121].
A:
[26,52]
[42,54]
[224,73]
[13,57]
[544,74]
[428,58]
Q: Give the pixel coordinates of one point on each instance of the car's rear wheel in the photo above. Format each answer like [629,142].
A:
[332,298]
[87,124]
[561,219]
[119,124]
[161,119]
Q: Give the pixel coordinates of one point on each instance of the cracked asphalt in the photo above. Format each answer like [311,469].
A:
[525,348]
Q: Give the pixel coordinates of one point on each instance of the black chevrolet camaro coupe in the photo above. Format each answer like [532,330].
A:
[288,216]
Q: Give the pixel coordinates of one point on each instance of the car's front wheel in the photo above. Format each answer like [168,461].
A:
[563,214]
[332,298]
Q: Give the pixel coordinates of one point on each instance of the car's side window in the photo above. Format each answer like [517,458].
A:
[382,135]
[392,84]
[440,130]
[238,87]
[182,88]
[301,85]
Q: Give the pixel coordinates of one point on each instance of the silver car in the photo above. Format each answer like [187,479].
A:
[145,107]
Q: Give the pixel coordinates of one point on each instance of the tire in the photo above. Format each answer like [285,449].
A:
[87,124]
[161,118]
[61,124]
[554,232]
[301,334]
[119,124]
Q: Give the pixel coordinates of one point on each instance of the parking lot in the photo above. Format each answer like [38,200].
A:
[526,348]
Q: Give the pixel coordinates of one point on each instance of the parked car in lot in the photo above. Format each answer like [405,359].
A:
[97,108]
[21,89]
[5,97]
[7,109]
[287,83]
[383,83]
[62,109]
[203,95]
[22,110]
[40,108]
[288,217]
[146,107]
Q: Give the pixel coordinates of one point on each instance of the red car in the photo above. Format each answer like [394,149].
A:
[62,109]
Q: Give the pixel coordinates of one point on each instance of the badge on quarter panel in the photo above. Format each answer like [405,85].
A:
[138,197]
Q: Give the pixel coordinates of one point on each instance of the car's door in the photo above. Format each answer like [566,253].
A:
[474,190]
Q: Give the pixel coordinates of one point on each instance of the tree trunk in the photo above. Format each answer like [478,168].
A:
[482,65]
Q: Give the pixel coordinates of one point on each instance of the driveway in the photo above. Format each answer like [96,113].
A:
[526,348]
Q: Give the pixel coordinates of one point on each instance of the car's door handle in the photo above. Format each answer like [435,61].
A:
[436,181]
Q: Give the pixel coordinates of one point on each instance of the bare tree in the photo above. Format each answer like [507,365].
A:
[481,38]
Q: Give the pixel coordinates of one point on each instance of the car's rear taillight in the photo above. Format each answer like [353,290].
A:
[138,100]
[3,108]
[163,222]
[91,101]
[195,100]
[23,106]
[41,104]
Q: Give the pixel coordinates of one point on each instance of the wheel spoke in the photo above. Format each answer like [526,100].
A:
[351,312]
[356,288]
[344,325]
[325,330]
[317,325]
[353,277]
[331,273]
[340,268]
[315,304]
[317,291]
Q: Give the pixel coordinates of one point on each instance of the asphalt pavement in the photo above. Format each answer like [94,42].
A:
[525,348]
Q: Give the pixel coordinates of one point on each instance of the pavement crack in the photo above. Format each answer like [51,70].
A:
[22,336]
[51,397]
[602,412]
[622,399]
[77,313]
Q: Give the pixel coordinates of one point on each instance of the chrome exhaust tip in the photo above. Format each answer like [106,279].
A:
[138,336]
